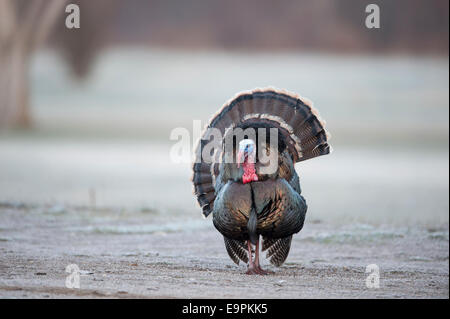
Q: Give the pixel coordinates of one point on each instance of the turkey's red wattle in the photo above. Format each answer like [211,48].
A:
[249,173]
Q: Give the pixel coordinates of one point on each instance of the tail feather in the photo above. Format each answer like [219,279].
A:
[323,149]
[313,141]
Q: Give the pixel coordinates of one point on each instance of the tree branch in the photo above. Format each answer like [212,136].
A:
[7,22]
[30,20]
[49,17]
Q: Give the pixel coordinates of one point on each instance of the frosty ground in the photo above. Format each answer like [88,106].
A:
[121,254]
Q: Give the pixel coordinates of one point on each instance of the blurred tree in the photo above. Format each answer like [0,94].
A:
[330,25]
[24,26]
[80,46]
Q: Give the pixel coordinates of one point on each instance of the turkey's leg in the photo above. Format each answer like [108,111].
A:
[258,268]
[251,265]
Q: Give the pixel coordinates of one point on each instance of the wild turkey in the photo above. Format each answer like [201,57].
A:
[246,199]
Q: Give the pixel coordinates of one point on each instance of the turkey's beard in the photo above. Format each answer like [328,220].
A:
[249,169]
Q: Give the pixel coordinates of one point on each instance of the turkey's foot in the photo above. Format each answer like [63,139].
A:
[253,270]
[263,272]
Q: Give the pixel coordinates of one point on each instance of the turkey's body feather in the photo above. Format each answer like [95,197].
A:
[275,203]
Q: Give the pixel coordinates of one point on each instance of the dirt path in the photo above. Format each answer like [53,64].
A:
[145,255]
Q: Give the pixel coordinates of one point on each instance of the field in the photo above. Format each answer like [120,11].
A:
[92,183]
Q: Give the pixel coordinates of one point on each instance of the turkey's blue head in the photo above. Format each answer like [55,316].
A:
[247,156]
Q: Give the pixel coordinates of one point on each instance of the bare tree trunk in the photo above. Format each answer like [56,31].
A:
[14,95]
[18,39]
